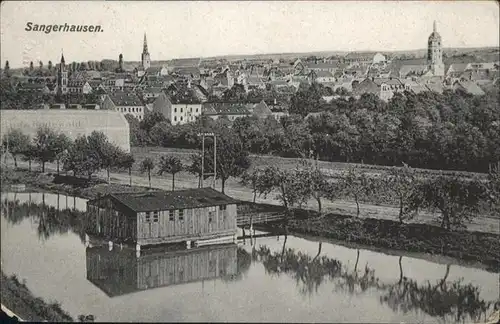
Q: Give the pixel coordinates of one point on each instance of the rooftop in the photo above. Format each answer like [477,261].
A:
[125,99]
[224,108]
[168,200]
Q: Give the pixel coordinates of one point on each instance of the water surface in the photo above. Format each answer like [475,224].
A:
[273,279]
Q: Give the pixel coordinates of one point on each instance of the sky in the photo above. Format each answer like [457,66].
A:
[182,29]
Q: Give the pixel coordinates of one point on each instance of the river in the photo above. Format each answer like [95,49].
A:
[272,279]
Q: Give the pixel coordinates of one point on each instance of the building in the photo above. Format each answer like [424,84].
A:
[73,123]
[33,87]
[435,53]
[78,86]
[321,76]
[180,106]
[145,58]
[260,110]
[119,272]
[361,58]
[384,88]
[151,92]
[62,77]
[229,110]
[124,102]
[162,216]
[469,87]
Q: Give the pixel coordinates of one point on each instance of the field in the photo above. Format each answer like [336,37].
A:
[261,161]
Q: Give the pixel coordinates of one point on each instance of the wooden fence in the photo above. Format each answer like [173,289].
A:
[247,219]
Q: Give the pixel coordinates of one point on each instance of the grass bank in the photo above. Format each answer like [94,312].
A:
[471,246]
[61,184]
[18,298]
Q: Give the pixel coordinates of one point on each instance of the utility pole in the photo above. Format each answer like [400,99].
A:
[214,173]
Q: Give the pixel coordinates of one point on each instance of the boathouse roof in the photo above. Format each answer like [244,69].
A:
[166,200]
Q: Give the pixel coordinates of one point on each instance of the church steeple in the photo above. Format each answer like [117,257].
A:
[145,46]
[145,58]
[62,77]
[435,52]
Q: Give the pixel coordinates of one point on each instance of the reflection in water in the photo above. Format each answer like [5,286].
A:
[49,220]
[451,301]
[120,271]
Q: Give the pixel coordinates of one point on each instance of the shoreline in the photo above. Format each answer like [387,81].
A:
[20,300]
[477,249]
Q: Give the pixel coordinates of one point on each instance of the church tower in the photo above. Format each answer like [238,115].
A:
[435,53]
[146,61]
[62,77]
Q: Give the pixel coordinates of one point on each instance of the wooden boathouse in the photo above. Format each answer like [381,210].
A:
[119,272]
[159,217]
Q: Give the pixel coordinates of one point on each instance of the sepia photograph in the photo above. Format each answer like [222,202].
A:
[250,161]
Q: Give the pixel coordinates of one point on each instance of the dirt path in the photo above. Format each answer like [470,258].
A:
[236,190]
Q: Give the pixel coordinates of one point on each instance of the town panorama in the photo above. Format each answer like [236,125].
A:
[341,187]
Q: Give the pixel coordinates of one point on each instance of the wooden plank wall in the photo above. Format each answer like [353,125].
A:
[195,222]
[112,271]
[110,221]
[163,270]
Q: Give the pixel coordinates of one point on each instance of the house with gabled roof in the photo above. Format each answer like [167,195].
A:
[260,110]
[124,102]
[158,217]
[468,87]
[180,104]
[384,88]
[79,86]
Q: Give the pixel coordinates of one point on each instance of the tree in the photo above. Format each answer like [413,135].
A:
[307,99]
[29,154]
[232,157]
[493,188]
[126,161]
[16,142]
[402,182]
[31,67]
[50,66]
[82,158]
[357,185]
[251,179]
[172,165]
[315,182]
[45,142]
[6,69]
[62,145]
[109,153]
[291,190]
[236,94]
[40,65]
[146,166]
[150,120]
[456,198]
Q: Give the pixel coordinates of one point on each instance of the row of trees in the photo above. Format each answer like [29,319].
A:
[41,70]
[84,156]
[456,199]
[451,131]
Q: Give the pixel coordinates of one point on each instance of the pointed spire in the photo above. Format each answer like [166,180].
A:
[62,57]
[145,46]
[434,28]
